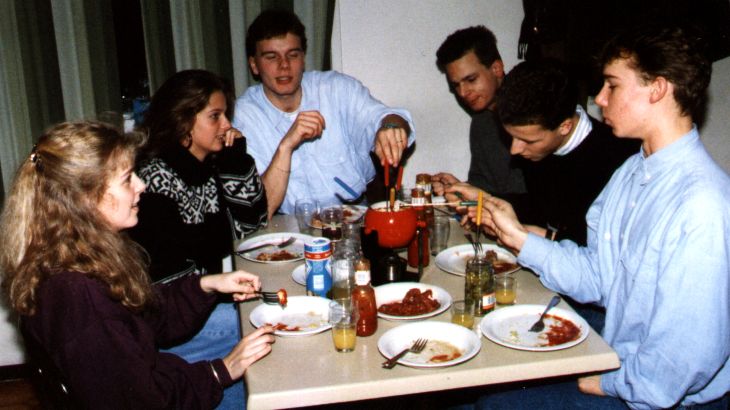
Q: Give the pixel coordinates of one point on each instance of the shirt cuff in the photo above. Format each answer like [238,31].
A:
[534,252]
[608,382]
[222,371]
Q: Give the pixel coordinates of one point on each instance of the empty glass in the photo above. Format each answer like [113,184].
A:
[305,210]
[439,233]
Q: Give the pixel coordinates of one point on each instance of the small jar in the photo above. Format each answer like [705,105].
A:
[479,285]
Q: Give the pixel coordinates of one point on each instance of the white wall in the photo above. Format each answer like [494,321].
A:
[715,130]
[391,47]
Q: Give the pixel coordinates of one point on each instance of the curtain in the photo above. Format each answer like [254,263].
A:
[59,58]
[59,61]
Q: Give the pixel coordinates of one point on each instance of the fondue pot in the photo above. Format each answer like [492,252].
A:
[395,229]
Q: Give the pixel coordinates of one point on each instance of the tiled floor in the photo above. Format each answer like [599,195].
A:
[17,394]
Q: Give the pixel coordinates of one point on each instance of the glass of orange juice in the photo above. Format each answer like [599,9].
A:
[504,289]
[343,318]
[462,313]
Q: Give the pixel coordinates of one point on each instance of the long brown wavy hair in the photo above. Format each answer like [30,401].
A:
[51,222]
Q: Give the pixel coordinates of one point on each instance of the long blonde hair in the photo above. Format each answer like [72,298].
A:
[51,221]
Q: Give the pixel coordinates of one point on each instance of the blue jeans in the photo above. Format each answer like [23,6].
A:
[559,395]
[215,340]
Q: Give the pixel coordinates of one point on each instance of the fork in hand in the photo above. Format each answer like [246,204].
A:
[273,298]
[416,347]
[264,245]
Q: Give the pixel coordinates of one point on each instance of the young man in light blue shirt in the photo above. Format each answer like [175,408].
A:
[658,251]
[306,128]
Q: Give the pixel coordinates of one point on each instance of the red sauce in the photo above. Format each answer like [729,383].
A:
[563,331]
[284,327]
[414,303]
[445,357]
[282,255]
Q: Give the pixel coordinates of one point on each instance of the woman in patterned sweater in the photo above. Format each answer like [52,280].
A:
[203,192]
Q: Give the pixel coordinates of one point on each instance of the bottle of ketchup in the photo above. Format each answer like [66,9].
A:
[418,200]
[363,297]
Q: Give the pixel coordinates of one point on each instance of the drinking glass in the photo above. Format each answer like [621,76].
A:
[343,317]
[462,313]
[305,210]
[504,289]
[331,222]
[440,233]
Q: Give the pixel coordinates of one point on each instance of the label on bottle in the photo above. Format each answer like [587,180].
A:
[362,277]
[488,302]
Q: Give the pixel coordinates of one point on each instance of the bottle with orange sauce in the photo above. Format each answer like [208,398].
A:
[363,297]
[418,199]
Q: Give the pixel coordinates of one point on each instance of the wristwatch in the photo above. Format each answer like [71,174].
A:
[551,232]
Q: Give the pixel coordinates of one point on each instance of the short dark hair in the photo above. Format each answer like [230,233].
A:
[274,23]
[171,114]
[478,39]
[677,54]
[539,93]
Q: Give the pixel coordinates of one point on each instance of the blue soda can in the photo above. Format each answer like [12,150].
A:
[317,265]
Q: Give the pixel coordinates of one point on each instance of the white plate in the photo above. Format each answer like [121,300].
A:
[355,212]
[453,260]
[394,292]
[395,340]
[296,248]
[309,313]
[299,275]
[509,326]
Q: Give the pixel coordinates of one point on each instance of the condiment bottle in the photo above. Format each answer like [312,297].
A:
[317,265]
[418,199]
[479,285]
[363,297]
[423,181]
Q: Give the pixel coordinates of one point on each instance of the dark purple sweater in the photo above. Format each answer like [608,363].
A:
[109,355]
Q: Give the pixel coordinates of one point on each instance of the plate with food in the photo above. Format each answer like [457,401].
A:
[448,344]
[273,254]
[410,300]
[302,316]
[350,213]
[453,260]
[299,275]
[509,326]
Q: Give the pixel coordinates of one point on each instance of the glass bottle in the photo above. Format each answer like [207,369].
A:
[479,285]
[363,296]
[346,255]
[417,201]
[423,181]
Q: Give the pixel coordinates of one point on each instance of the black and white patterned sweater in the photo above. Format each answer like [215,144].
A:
[192,211]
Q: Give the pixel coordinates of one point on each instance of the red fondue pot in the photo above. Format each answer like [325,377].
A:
[396,229]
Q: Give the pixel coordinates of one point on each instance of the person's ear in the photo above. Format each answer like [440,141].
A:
[497,68]
[566,126]
[252,66]
[659,88]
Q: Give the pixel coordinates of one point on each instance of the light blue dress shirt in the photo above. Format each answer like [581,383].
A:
[352,117]
[658,259]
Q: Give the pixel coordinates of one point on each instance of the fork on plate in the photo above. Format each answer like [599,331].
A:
[416,347]
[280,245]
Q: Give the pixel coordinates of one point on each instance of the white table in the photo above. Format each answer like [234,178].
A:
[307,371]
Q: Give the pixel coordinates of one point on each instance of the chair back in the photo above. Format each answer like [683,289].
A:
[51,387]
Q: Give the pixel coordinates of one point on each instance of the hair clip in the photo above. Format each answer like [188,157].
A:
[34,157]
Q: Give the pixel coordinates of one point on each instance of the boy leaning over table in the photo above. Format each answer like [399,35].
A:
[658,251]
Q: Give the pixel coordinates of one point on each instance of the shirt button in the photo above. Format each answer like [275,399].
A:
[607,236]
